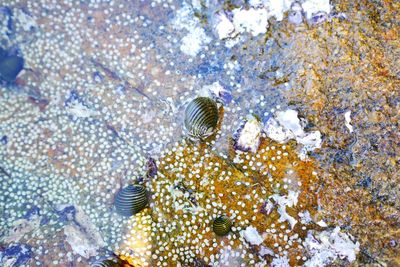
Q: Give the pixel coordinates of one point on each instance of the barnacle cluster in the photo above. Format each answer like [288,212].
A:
[270,190]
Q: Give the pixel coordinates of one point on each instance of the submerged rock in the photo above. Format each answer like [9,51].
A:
[254,18]
[77,107]
[15,255]
[312,7]
[286,125]
[248,136]
[282,202]
[79,242]
[295,15]
[82,235]
[32,213]
[280,262]
[3,53]
[251,235]
[66,213]
[196,38]
[20,228]
[327,246]
[10,67]
[6,24]
[4,140]
[216,91]
[319,17]
[348,120]
[223,26]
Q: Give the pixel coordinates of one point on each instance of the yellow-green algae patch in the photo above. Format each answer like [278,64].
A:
[194,185]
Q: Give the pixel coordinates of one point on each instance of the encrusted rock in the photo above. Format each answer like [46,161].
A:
[248,136]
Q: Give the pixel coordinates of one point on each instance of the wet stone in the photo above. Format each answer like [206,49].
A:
[15,255]
[93,97]
[32,212]
[4,140]
[67,213]
[10,67]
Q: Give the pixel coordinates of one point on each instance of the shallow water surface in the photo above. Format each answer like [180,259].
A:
[303,164]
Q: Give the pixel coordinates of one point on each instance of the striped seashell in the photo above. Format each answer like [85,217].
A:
[112,260]
[222,225]
[106,263]
[131,200]
[201,117]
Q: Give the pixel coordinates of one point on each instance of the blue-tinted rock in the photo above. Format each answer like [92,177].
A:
[18,254]
[226,97]
[207,68]
[319,17]
[97,77]
[4,140]
[32,212]
[120,88]
[10,67]
[45,220]
[73,97]
[366,182]
[67,214]
[6,16]
[3,54]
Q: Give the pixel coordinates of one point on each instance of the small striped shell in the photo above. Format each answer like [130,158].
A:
[222,225]
[131,200]
[106,263]
[201,117]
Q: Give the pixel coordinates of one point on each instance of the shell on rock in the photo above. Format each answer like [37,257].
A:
[112,260]
[201,117]
[131,200]
[222,225]
[106,263]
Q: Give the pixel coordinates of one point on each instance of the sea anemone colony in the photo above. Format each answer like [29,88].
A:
[268,196]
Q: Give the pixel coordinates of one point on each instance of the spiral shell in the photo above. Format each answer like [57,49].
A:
[222,225]
[201,117]
[131,200]
[106,263]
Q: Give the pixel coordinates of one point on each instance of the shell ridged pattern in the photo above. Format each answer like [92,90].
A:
[222,225]
[106,263]
[201,117]
[131,200]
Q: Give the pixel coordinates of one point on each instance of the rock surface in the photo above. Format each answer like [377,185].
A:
[104,86]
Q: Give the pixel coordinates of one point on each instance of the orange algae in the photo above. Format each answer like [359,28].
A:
[195,184]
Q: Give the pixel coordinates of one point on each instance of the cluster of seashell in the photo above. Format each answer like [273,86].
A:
[201,119]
